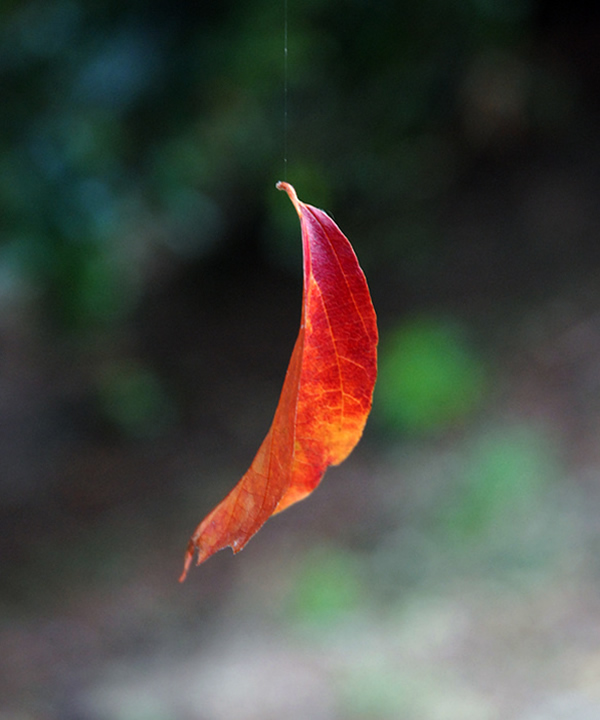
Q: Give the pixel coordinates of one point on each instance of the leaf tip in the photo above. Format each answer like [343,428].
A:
[189,556]
[290,190]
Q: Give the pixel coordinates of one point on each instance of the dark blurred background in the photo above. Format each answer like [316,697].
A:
[150,284]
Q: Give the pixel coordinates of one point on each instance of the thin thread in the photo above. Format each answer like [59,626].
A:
[285,88]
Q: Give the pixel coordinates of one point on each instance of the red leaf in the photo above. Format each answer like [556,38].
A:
[326,395]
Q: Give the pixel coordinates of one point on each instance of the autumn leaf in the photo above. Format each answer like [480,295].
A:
[326,396]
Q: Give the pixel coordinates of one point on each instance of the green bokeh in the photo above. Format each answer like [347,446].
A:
[429,375]
[131,397]
[163,114]
[327,585]
[503,476]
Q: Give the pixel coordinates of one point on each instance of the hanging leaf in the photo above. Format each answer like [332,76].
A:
[326,395]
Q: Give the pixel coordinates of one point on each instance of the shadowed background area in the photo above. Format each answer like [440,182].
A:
[150,284]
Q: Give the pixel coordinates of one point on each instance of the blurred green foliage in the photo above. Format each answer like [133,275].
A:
[137,137]
[131,398]
[128,128]
[327,585]
[430,376]
[501,481]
